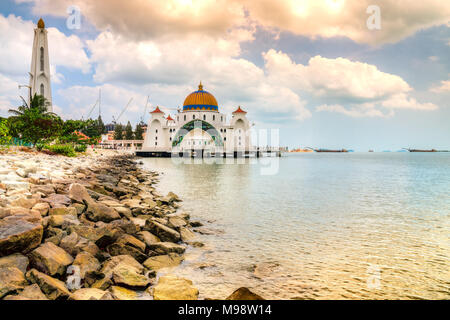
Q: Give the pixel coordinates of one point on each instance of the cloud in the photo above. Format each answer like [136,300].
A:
[366,110]
[9,98]
[362,87]
[141,20]
[180,63]
[17,40]
[443,87]
[341,18]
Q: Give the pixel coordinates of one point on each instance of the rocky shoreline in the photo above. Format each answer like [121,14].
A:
[90,228]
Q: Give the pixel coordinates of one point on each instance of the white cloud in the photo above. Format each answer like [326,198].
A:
[9,98]
[181,63]
[334,78]
[361,87]
[366,110]
[443,87]
[17,40]
[312,18]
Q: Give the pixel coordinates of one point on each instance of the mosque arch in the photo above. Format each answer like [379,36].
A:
[198,124]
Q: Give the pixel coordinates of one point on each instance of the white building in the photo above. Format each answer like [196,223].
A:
[199,128]
[40,65]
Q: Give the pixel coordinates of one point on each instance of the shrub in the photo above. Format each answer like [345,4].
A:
[64,149]
[81,148]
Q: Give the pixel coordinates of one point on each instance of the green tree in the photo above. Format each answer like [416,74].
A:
[33,123]
[129,132]
[139,132]
[118,132]
[101,126]
[5,136]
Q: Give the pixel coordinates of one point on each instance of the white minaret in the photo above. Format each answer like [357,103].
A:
[40,65]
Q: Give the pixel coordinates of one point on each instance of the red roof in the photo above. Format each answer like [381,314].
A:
[81,135]
[169,118]
[157,110]
[239,110]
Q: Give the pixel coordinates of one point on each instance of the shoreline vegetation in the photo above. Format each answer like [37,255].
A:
[91,227]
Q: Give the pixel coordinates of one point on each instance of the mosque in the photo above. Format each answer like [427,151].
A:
[198,130]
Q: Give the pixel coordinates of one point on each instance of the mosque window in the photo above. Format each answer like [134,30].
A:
[193,117]
[42,89]
[42,58]
[225,139]
[156,130]
[170,139]
[156,143]
[156,138]
[184,117]
[214,118]
[204,117]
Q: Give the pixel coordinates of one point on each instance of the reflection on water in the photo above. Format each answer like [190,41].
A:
[326,226]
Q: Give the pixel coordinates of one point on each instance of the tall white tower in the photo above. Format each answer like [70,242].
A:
[40,65]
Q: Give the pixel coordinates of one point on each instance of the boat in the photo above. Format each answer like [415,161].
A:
[418,150]
[329,151]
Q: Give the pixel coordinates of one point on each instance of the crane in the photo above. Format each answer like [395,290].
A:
[145,111]
[123,111]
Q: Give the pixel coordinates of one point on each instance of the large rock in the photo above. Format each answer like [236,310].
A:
[11,280]
[29,215]
[162,248]
[120,293]
[50,259]
[63,211]
[64,221]
[16,260]
[164,261]
[244,294]
[117,249]
[174,288]
[177,222]
[87,263]
[57,200]
[100,212]
[32,292]
[129,278]
[79,194]
[115,263]
[88,294]
[19,236]
[126,239]
[161,231]
[24,203]
[187,235]
[148,238]
[53,288]
[42,208]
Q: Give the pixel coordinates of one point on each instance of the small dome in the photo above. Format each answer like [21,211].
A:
[41,24]
[200,100]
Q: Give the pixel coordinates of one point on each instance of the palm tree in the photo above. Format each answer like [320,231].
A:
[33,123]
[38,103]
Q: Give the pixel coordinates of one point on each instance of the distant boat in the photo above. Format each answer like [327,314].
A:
[370,150]
[329,151]
[418,150]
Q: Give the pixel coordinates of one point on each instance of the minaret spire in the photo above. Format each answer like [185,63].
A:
[40,65]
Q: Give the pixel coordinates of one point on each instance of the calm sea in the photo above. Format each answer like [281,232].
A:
[318,226]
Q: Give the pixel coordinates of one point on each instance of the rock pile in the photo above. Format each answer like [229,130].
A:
[88,228]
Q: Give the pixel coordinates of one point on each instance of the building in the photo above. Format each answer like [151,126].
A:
[198,129]
[40,83]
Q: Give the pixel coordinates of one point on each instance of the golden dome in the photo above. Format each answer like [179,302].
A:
[41,24]
[200,100]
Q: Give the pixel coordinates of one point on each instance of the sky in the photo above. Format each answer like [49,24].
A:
[325,73]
